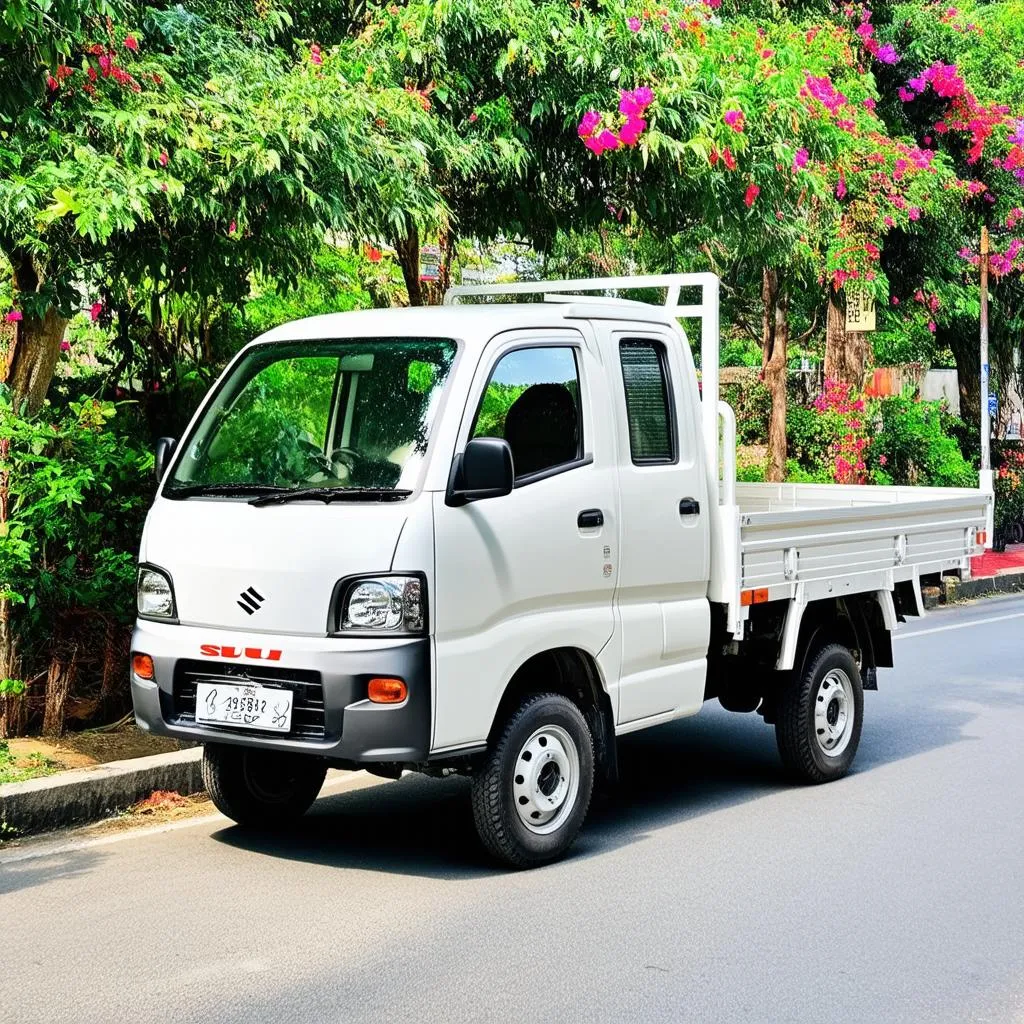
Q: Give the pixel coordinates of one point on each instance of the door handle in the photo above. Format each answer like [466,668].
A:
[589,518]
[689,507]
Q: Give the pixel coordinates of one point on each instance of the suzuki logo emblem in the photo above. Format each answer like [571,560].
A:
[251,601]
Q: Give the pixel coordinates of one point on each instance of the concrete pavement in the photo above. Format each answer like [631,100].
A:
[704,889]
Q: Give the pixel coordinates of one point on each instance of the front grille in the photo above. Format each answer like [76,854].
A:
[308,715]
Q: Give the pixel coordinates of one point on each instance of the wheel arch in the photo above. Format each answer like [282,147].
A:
[573,673]
[860,622]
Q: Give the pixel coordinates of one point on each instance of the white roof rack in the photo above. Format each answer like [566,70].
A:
[706,311]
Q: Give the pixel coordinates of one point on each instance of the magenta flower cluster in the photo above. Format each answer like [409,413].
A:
[633,105]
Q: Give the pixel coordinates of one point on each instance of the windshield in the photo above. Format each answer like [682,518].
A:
[325,414]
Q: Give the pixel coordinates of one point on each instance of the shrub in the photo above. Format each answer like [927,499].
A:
[752,403]
[78,488]
[912,447]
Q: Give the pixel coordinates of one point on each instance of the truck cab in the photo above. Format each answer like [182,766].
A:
[483,538]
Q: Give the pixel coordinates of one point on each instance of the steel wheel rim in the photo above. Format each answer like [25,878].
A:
[834,713]
[546,779]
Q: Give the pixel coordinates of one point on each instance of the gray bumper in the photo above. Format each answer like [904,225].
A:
[354,730]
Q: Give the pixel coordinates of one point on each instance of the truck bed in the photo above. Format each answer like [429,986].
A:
[835,538]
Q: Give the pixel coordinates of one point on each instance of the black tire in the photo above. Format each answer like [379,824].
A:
[496,814]
[261,788]
[802,738]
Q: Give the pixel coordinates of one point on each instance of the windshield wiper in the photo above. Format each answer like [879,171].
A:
[329,494]
[194,490]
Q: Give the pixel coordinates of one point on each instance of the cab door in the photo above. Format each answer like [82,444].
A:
[533,570]
[661,599]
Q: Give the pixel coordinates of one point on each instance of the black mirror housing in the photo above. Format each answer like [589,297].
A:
[162,457]
[484,470]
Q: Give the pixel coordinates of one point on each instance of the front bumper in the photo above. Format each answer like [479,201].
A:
[355,730]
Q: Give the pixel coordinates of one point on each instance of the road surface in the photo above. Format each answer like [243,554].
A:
[705,889]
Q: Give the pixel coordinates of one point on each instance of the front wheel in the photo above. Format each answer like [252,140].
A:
[261,788]
[532,795]
[820,715]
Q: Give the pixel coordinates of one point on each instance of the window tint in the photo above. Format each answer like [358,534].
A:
[648,407]
[532,401]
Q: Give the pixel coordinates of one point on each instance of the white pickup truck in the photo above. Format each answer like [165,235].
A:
[491,537]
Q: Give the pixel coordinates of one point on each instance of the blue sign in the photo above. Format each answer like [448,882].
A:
[993,405]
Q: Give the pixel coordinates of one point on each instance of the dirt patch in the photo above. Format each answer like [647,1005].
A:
[82,749]
[160,808]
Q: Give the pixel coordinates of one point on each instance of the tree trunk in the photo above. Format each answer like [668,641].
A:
[774,343]
[845,352]
[408,250]
[37,342]
[59,681]
[433,292]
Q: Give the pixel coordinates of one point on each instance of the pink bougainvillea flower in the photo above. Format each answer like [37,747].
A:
[945,80]
[231,228]
[753,191]
[631,131]
[590,120]
[965,253]
[473,117]
[931,326]
[887,54]
[906,95]
[918,84]
[899,169]
[865,30]
[800,159]
[871,249]
[895,301]
[14,316]
[713,4]
[105,65]
[914,213]
[889,222]
[314,55]
[1017,135]
[52,84]
[730,160]
[131,43]
[634,24]
[870,103]
[608,140]
[841,187]
[164,158]
[94,311]
[734,119]
[822,89]
[643,97]
[65,346]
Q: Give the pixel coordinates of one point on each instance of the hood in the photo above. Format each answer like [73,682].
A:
[290,555]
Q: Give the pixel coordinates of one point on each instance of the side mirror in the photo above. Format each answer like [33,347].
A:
[162,457]
[484,471]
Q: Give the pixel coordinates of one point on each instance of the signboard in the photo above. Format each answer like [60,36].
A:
[430,263]
[860,311]
[993,405]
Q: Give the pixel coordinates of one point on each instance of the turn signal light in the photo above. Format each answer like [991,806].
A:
[142,666]
[387,691]
[980,537]
[749,597]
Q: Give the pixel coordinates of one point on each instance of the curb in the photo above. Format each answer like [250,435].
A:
[87,794]
[966,590]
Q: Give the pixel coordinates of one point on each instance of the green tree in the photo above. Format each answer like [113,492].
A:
[151,153]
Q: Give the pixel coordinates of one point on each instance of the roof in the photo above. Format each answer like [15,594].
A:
[481,321]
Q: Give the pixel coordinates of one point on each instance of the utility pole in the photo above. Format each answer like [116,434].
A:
[985,481]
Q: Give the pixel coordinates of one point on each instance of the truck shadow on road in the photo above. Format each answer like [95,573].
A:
[422,826]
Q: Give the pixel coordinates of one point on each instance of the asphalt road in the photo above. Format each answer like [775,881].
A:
[705,889]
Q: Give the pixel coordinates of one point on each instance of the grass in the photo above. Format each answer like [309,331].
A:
[21,769]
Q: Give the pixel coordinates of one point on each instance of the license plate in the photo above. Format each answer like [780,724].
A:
[246,707]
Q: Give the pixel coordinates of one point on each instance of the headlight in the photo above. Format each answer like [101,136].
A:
[388,604]
[154,595]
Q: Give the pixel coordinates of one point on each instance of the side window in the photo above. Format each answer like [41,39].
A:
[648,402]
[532,401]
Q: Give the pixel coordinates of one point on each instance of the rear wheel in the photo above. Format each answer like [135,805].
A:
[531,797]
[261,788]
[819,717]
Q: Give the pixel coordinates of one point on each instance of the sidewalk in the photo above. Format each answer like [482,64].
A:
[996,563]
